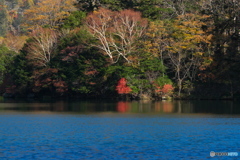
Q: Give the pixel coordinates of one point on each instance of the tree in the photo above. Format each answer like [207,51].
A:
[88,5]
[79,64]
[20,72]
[42,46]
[225,29]
[50,13]
[3,17]
[15,43]
[224,69]
[155,10]
[93,5]
[27,3]
[156,41]
[47,80]
[117,32]
[122,87]
[187,44]
[74,20]
[6,57]
[181,7]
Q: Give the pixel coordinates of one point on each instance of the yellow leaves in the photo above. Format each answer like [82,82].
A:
[30,2]
[209,37]
[206,62]
[26,2]
[95,12]
[2,6]
[1,40]
[20,2]
[183,47]
[39,17]
[156,37]
[181,38]
[14,43]
[48,12]
[187,29]
[198,53]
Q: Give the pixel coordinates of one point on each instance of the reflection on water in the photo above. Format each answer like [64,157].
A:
[123,106]
[218,107]
[153,130]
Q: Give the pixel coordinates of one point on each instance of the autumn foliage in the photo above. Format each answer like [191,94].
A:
[48,13]
[167,88]
[44,79]
[42,47]
[117,32]
[122,87]
[81,47]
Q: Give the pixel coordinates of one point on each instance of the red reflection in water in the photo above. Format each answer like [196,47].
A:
[157,107]
[122,107]
[166,107]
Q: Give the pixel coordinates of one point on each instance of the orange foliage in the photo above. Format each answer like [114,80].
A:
[91,72]
[14,43]
[48,12]
[167,88]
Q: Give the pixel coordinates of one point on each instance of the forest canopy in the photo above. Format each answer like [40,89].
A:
[129,48]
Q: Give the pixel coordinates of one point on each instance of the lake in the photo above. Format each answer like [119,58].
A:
[137,130]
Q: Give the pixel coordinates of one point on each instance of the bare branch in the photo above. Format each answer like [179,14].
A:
[42,47]
[117,32]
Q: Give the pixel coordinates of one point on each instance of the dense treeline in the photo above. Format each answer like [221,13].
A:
[110,48]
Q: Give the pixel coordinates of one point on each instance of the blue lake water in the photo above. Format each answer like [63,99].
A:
[118,130]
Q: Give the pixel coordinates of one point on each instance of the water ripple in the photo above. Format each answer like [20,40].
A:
[66,136]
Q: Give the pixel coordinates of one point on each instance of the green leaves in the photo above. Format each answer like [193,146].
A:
[6,57]
[74,20]
[162,80]
[3,17]
[21,73]
[153,64]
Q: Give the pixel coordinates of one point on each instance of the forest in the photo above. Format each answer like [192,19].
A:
[136,49]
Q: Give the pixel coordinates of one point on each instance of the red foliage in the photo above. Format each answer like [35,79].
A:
[45,79]
[167,88]
[61,86]
[92,72]
[122,87]
[92,83]
[206,76]
[71,53]
[11,89]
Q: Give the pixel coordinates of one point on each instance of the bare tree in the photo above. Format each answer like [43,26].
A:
[42,47]
[117,32]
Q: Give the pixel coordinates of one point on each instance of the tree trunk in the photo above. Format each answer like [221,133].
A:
[179,87]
